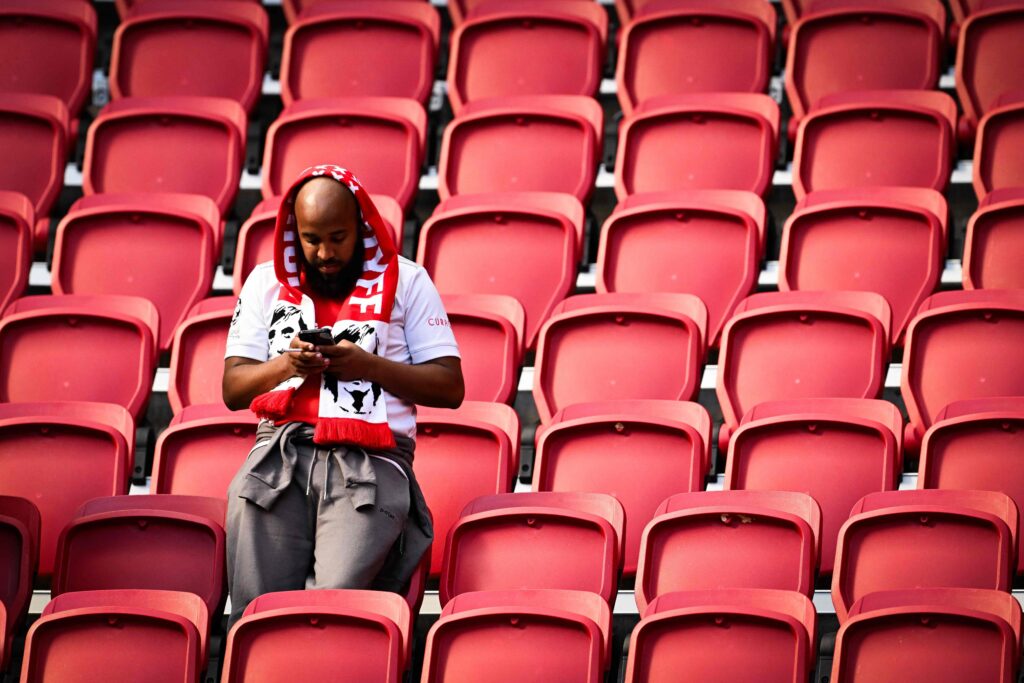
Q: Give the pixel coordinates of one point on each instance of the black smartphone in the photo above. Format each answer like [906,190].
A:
[321,336]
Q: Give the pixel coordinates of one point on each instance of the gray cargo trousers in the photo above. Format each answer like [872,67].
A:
[307,516]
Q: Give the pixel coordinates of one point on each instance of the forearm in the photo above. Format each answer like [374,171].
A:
[437,384]
[244,381]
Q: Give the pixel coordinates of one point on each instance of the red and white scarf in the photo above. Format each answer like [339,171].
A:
[349,412]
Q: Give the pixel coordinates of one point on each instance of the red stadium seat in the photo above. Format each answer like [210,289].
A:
[461,10]
[546,143]
[528,636]
[925,539]
[994,245]
[151,541]
[535,540]
[995,167]
[358,48]
[165,251]
[17,222]
[382,137]
[187,605]
[490,329]
[686,46]
[714,141]
[926,635]
[538,255]
[619,346]
[166,644]
[462,454]
[641,452]
[837,143]
[197,355]
[835,449]
[194,145]
[874,46]
[59,455]
[34,137]
[370,630]
[989,61]
[201,450]
[125,7]
[700,242]
[883,240]
[255,242]
[976,445]
[63,30]
[790,345]
[961,345]
[519,48]
[108,350]
[206,48]
[729,539]
[19,559]
[735,635]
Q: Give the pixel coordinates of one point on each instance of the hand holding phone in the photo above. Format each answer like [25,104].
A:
[320,336]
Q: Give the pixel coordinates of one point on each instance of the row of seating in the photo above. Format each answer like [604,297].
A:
[545,566]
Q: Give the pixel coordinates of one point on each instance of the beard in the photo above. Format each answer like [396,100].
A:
[336,285]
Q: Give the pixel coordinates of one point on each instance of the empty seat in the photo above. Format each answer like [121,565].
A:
[837,142]
[686,46]
[989,61]
[490,329]
[201,450]
[527,48]
[197,356]
[884,240]
[729,539]
[194,145]
[19,559]
[17,222]
[725,635]
[788,345]
[541,143]
[925,635]
[147,541]
[382,137]
[255,241]
[961,345]
[60,455]
[307,633]
[700,242]
[976,444]
[520,636]
[207,48]
[63,30]
[360,48]
[535,540]
[717,141]
[963,9]
[837,450]
[463,454]
[927,539]
[537,247]
[1001,130]
[165,251]
[994,244]
[619,346]
[125,7]
[461,10]
[875,46]
[108,350]
[81,638]
[110,602]
[641,452]
[34,137]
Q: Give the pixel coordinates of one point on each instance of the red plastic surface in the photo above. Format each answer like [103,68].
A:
[17,223]
[200,456]
[19,550]
[197,359]
[994,244]
[995,167]
[489,329]
[557,202]
[989,59]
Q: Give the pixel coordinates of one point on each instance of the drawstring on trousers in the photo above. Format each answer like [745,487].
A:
[327,472]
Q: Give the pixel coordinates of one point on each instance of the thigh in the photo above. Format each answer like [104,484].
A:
[351,544]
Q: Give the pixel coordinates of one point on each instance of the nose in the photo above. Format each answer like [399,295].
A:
[324,252]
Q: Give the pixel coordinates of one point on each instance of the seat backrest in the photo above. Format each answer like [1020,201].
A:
[19,559]
[17,223]
[959,539]
[989,59]
[489,328]
[65,31]
[659,341]
[200,455]
[993,242]
[197,359]
[729,539]
[994,169]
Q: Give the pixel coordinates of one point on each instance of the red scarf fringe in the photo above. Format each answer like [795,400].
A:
[344,430]
[272,405]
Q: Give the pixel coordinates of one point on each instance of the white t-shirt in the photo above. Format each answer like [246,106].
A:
[419,329]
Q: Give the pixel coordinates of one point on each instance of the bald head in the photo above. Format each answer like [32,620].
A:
[327,215]
[324,201]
